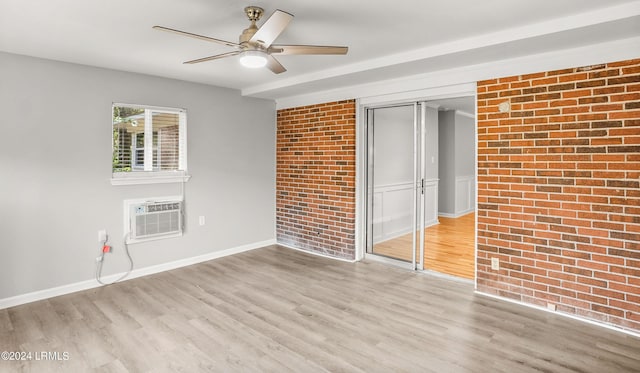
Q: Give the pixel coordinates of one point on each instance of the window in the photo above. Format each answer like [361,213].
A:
[149,144]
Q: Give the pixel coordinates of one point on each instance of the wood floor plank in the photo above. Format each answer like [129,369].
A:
[5,321]
[449,246]
[275,309]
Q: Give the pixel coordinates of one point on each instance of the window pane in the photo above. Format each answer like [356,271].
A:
[127,121]
[139,160]
[140,139]
[166,144]
[155,150]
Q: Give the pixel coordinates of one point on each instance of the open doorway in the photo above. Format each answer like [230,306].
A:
[451,242]
[421,177]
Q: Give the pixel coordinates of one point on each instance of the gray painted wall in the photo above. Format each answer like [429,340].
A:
[446,162]
[393,145]
[465,145]
[466,151]
[457,157]
[431,143]
[56,168]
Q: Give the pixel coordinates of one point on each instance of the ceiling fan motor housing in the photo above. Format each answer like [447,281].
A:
[254,13]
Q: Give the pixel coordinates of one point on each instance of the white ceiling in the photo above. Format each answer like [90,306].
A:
[386,39]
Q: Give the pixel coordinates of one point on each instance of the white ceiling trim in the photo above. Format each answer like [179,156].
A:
[416,85]
[585,19]
[465,114]
[432,93]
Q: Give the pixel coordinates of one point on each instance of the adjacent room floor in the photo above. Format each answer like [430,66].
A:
[277,310]
[448,246]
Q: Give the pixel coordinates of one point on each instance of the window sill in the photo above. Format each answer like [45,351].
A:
[137,178]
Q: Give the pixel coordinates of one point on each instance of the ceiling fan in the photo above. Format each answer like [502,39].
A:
[255,46]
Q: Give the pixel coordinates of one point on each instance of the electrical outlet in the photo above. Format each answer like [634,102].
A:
[201,220]
[495,264]
[102,235]
[551,306]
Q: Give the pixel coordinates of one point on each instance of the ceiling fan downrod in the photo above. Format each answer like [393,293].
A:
[254,14]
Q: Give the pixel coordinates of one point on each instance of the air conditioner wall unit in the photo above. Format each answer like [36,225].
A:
[151,219]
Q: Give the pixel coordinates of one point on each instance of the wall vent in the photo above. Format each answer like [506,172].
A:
[153,219]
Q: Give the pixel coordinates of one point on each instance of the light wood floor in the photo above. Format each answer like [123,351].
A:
[279,310]
[448,247]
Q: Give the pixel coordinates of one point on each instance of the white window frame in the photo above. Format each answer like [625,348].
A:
[148,175]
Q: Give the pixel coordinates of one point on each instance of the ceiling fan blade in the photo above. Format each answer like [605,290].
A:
[201,37]
[272,28]
[274,65]
[210,58]
[307,49]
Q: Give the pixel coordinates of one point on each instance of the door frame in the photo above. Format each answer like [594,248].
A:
[436,93]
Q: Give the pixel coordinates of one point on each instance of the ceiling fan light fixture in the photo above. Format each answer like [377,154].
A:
[253,59]
[255,48]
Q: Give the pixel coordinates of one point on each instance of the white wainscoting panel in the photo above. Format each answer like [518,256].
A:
[465,194]
[393,209]
[430,202]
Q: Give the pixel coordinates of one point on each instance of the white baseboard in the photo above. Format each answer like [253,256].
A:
[456,215]
[90,284]
[316,253]
[585,320]
[431,223]
[447,215]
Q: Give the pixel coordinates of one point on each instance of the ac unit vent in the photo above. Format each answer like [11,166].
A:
[154,219]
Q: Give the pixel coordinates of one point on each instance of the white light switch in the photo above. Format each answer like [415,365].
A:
[201,220]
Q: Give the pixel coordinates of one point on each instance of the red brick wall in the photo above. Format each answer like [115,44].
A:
[558,190]
[315,178]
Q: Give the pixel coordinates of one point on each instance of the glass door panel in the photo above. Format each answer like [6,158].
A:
[393,187]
